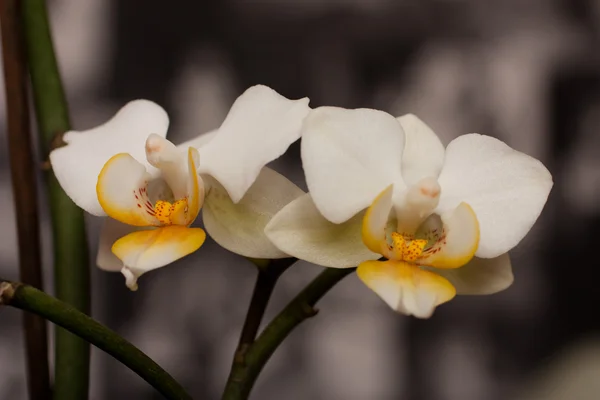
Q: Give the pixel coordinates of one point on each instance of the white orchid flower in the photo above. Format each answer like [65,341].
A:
[153,190]
[476,198]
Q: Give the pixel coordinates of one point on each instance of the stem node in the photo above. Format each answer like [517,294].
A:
[57,140]
[308,310]
[7,291]
[240,353]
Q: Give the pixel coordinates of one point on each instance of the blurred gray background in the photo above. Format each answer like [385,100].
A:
[525,71]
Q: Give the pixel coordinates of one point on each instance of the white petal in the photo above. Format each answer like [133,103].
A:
[480,276]
[349,157]
[423,151]
[301,231]
[240,228]
[259,128]
[78,164]
[111,231]
[506,188]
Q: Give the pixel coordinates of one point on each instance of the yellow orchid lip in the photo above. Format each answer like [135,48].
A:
[405,287]
[450,241]
[122,191]
[168,213]
[145,250]
[375,221]
[406,250]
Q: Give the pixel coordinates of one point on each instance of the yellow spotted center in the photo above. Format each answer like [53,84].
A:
[407,250]
[171,213]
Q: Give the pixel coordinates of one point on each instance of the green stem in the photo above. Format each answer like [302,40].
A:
[30,299]
[265,283]
[23,171]
[71,266]
[269,272]
[243,375]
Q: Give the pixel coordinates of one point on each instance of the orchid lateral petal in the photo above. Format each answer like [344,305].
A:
[506,188]
[78,164]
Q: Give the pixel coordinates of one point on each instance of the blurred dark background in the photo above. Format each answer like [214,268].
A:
[527,72]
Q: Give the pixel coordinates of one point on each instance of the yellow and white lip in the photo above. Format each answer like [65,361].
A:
[143,251]
[405,287]
[122,191]
[454,242]
[375,222]
[451,243]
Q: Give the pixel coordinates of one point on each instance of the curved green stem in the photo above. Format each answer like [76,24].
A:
[71,265]
[243,375]
[268,275]
[269,272]
[30,299]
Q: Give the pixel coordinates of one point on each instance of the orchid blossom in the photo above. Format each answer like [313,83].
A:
[153,190]
[456,211]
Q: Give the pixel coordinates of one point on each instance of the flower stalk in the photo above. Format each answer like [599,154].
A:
[72,275]
[30,299]
[268,275]
[24,192]
[244,372]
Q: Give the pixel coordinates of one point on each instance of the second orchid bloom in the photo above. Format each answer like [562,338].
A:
[444,218]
